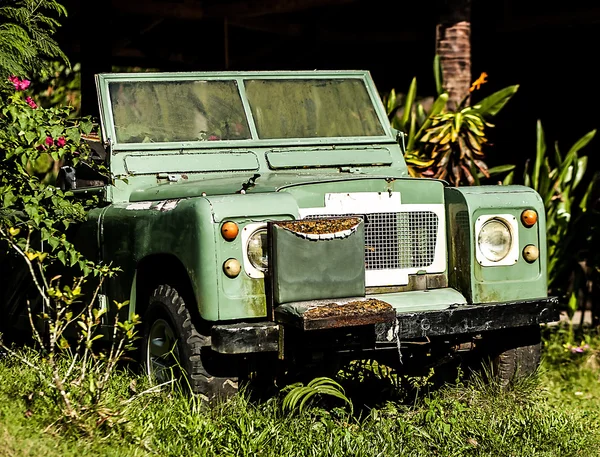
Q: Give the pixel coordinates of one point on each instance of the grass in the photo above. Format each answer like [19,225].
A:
[555,413]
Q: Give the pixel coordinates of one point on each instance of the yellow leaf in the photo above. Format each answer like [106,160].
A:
[31,255]
[14,231]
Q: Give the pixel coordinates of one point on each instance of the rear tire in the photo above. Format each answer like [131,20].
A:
[515,354]
[173,347]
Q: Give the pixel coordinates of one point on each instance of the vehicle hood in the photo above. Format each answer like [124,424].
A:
[244,183]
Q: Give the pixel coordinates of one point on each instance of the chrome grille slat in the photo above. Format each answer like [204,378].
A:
[401,240]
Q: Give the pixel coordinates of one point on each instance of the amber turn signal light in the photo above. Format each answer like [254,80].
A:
[229,230]
[529,217]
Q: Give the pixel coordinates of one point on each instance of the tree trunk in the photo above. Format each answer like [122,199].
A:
[453,45]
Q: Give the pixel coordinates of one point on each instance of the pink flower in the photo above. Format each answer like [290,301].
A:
[61,142]
[31,103]
[20,84]
[49,141]
[213,138]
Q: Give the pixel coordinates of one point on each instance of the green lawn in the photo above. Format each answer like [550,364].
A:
[556,413]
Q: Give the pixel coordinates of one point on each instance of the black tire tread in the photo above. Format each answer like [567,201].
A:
[518,358]
[195,348]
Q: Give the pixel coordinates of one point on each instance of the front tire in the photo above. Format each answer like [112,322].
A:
[173,348]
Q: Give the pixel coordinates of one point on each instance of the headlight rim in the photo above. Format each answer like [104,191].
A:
[511,223]
[246,232]
[257,232]
[506,249]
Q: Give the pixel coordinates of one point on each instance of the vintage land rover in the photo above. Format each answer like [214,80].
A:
[269,217]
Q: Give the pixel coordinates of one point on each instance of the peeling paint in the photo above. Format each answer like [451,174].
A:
[166,205]
[139,206]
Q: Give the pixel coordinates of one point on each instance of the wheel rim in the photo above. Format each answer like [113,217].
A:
[162,352]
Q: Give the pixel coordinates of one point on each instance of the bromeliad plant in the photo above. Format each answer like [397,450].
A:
[448,144]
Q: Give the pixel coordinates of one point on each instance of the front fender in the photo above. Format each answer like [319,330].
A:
[480,283]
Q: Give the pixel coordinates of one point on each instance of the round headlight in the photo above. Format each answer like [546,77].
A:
[257,250]
[495,240]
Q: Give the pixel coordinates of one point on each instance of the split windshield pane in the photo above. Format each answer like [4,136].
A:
[312,108]
[175,111]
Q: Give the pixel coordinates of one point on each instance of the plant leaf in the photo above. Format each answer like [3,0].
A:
[436,108]
[539,155]
[492,104]
[437,74]
[408,105]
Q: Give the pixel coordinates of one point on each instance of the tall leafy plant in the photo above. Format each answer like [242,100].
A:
[443,143]
[35,215]
[27,46]
[559,178]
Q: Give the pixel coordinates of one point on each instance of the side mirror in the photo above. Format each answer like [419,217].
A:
[400,137]
[67,179]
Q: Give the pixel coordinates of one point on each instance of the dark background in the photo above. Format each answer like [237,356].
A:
[549,50]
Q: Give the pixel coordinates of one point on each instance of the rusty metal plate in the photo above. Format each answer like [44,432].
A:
[326,314]
[317,259]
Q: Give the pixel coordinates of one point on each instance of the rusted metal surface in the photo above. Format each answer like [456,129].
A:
[415,282]
[320,226]
[245,338]
[470,319]
[328,314]
[317,259]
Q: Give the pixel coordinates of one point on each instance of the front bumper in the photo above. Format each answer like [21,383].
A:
[454,320]
[471,319]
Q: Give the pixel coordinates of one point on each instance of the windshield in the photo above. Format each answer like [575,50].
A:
[204,109]
[312,108]
[171,111]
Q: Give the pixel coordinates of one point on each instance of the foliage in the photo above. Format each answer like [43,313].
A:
[300,395]
[555,414]
[34,144]
[26,43]
[35,215]
[559,179]
[60,87]
[447,144]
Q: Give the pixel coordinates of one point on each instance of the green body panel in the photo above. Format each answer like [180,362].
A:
[164,163]
[331,158]
[489,284]
[189,230]
[412,191]
[179,229]
[317,268]
[204,173]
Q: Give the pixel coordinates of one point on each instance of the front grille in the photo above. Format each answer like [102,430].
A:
[397,240]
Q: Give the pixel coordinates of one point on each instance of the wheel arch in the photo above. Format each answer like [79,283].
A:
[157,269]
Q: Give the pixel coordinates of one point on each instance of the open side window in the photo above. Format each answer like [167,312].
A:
[85,174]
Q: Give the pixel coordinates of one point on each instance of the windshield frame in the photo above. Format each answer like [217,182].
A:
[107,122]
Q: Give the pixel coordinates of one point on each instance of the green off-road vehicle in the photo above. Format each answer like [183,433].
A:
[268,219]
